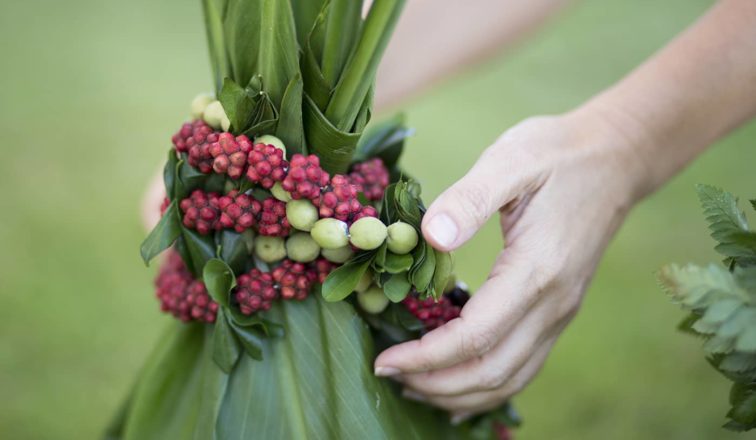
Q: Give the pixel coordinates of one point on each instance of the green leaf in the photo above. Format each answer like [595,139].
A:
[163,235]
[237,104]
[359,73]
[219,280]
[251,340]
[746,341]
[698,287]
[226,348]
[233,250]
[397,263]
[290,127]
[214,12]
[423,275]
[442,272]
[397,287]
[384,140]
[727,223]
[342,281]
[169,174]
[334,146]
[305,13]
[743,401]
[199,248]
[342,27]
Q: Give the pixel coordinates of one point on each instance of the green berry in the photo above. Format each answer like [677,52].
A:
[367,233]
[280,193]
[338,255]
[268,139]
[373,300]
[270,249]
[330,233]
[401,238]
[200,103]
[365,281]
[302,248]
[302,214]
[216,117]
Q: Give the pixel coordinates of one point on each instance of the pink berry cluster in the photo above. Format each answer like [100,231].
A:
[195,139]
[180,294]
[434,313]
[371,178]
[208,212]
[256,290]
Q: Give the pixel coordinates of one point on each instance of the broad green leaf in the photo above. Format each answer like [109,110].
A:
[214,12]
[342,27]
[250,339]
[334,146]
[219,280]
[163,235]
[384,140]
[226,349]
[397,287]
[423,276]
[305,13]
[342,281]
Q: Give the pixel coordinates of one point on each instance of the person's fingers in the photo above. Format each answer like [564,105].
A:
[496,179]
[492,370]
[489,315]
[466,405]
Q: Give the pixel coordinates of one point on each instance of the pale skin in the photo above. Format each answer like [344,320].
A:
[562,184]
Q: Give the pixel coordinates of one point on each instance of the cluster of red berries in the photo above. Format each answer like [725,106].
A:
[195,139]
[230,154]
[272,220]
[257,290]
[238,211]
[305,178]
[434,313]
[266,165]
[201,211]
[371,178]
[181,295]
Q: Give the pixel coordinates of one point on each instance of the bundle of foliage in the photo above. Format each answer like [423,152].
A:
[722,302]
[292,243]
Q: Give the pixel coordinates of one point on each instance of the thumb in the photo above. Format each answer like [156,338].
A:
[460,211]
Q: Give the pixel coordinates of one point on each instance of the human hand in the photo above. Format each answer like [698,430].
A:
[562,186]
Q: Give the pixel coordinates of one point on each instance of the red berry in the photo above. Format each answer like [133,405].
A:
[255,291]
[294,279]
[371,178]
[340,201]
[238,211]
[180,294]
[230,154]
[305,177]
[201,211]
[266,165]
[195,139]
[271,220]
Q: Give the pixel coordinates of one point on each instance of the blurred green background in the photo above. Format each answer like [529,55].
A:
[91,93]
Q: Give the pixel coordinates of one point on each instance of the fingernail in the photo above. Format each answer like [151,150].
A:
[458,418]
[386,371]
[413,395]
[443,230]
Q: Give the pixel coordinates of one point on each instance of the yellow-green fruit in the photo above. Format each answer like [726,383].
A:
[269,139]
[367,233]
[330,233]
[302,248]
[200,103]
[302,214]
[338,255]
[280,193]
[373,300]
[216,117]
[401,238]
[365,281]
[270,249]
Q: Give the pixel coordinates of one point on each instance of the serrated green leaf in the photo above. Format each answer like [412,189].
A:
[342,281]
[746,341]
[720,311]
[727,223]
[738,363]
[397,287]
[698,287]
[163,235]
[219,280]
[743,401]
[226,348]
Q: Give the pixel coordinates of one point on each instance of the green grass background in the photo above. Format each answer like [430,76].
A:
[91,92]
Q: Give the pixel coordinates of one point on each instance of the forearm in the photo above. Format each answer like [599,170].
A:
[697,89]
[436,38]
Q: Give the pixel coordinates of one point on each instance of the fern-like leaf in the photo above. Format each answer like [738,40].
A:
[728,224]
